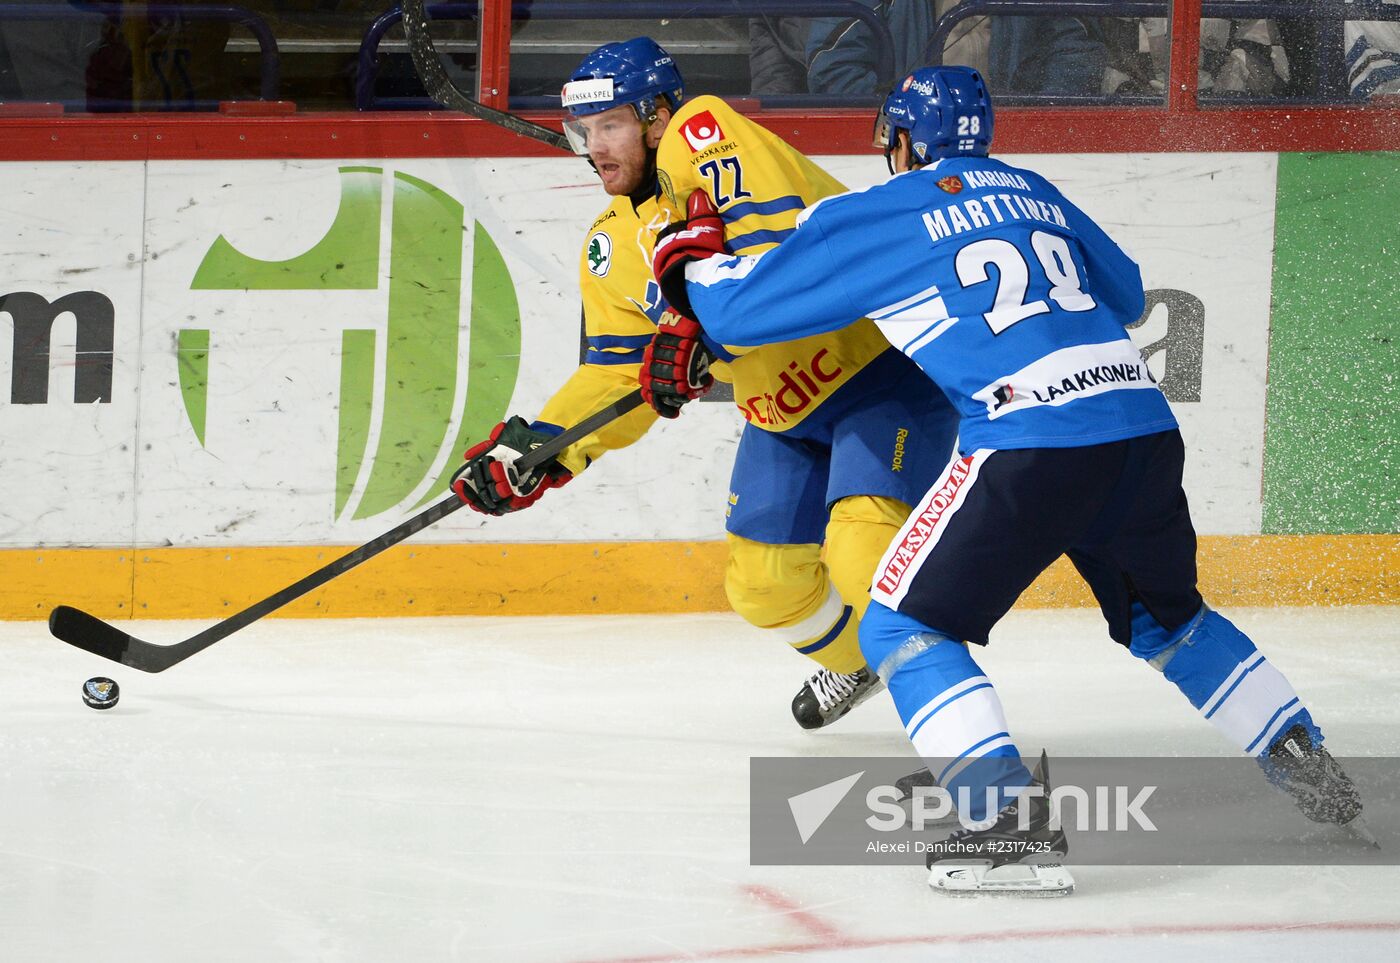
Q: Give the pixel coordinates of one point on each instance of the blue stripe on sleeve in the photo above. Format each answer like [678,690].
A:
[619,341]
[615,357]
[777,205]
[754,238]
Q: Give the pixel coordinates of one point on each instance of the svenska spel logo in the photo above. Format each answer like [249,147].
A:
[702,131]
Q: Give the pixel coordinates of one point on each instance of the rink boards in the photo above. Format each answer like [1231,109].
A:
[219,370]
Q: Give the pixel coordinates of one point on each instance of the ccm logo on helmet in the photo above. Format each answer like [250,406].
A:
[796,393]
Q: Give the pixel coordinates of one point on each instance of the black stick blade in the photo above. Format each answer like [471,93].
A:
[91,634]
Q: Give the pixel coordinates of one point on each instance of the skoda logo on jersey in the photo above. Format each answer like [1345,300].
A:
[600,250]
[702,131]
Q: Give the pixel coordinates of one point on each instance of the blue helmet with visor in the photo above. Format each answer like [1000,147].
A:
[632,72]
[946,111]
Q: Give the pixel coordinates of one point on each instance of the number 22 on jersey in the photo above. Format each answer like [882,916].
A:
[726,180]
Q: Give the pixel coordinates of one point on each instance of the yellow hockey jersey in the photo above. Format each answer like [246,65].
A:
[760,184]
[621,306]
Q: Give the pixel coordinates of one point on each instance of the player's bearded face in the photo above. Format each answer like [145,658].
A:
[618,144]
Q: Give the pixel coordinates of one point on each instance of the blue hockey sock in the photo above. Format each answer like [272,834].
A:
[1218,668]
[950,710]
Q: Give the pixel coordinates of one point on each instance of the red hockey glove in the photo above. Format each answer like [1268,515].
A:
[489,482]
[675,366]
[699,236]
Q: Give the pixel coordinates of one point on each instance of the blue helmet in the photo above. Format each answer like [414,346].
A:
[946,111]
[635,72]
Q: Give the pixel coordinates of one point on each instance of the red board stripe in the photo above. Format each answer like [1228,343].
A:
[445,134]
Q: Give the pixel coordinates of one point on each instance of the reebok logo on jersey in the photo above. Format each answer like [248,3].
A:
[900,437]
[702,131]
[952,184]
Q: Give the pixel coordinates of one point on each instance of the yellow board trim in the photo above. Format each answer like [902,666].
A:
[602,578]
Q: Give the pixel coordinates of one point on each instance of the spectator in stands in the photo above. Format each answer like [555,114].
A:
[46,60]
[778,55]
[1063,56]
[841,53]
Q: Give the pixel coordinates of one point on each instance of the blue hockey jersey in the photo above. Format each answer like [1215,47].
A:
[1004,293]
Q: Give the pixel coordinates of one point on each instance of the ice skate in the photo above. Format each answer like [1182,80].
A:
[920,783]
[1322,791]
[1004,859]
[827,696]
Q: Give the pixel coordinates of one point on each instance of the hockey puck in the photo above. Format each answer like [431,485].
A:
[101,693]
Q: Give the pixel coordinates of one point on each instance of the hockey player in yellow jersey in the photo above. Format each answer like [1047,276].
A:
[843,431]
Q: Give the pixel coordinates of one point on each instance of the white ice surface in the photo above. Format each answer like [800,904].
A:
[576,789]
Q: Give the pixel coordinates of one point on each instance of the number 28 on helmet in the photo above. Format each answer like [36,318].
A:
[946,111]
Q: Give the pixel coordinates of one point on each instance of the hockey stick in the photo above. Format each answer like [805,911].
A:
[91,634]
[441,88]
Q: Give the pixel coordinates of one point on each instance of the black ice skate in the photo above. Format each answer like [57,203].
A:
[1004,858]
[915,784]
[1308,773]
[827,696]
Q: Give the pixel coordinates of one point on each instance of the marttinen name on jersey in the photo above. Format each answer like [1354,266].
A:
[971,214]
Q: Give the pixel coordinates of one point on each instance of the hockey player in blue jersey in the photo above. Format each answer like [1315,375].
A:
[1015,302]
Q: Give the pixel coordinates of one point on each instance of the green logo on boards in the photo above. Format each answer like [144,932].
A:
[413,410]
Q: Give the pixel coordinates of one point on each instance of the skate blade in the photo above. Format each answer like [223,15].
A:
[1358,828]
[976,877]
